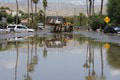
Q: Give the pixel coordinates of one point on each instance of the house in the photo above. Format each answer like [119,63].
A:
[6,11]
[15,13]
[55,20]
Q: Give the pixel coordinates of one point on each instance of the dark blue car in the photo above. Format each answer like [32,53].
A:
[112,29]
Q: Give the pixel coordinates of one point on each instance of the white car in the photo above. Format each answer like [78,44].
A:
[40,26]
[2,30]
[18,28]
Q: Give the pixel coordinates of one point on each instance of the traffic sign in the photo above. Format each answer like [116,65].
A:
[107,19]
[107,46]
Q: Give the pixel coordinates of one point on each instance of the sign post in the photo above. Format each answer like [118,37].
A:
[107,20]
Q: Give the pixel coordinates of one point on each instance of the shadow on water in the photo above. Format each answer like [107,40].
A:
[95,55]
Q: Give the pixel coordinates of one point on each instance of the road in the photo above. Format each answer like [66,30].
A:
[97,36]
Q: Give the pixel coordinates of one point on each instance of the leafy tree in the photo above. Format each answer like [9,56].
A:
[114,11]
[97,22]
[7,8]
[18,20]
[10,19]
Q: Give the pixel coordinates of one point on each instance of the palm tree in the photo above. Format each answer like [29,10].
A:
[28,12]
[101,10]
[90,7]
[87,6]
[35,2]
[45,6]
[17,11]
[93,9]
[41,13]
[32,11]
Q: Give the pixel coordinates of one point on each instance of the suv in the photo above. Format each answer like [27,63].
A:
[18,28]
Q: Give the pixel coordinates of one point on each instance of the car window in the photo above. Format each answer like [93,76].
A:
[11,26]
[117,28]
[21,27]
[1,28]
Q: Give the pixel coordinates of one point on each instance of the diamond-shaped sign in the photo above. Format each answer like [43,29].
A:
[107,19]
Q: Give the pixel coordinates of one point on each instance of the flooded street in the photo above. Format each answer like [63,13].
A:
[58,57]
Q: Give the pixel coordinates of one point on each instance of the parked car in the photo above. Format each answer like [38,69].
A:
[3,30]
[18,28]
[112,30]
[40,26]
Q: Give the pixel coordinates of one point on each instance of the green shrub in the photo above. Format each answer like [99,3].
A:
[97,22]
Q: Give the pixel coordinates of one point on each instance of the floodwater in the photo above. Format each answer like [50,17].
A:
[58,57]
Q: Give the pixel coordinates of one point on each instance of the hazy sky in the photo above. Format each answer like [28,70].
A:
[77,2]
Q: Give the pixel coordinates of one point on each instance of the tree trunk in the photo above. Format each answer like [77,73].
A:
[36,9]
[90,7]
[17,11]
[87,6]
[28,13]
[44,16]
[93,8]
[101,10]
[32,12]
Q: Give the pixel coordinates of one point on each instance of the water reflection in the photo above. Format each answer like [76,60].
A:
[90,64]
[17,58]
[90,55]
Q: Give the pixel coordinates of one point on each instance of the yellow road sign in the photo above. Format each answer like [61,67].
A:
[107,19]
[107,46]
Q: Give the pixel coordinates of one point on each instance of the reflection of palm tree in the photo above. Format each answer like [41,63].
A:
[35,58]
[89,62]
[93,72]
[16,61]
[102,62]
[86,64]
[45,50]
[29,67]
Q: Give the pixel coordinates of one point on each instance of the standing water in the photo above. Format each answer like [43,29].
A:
[58,57]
